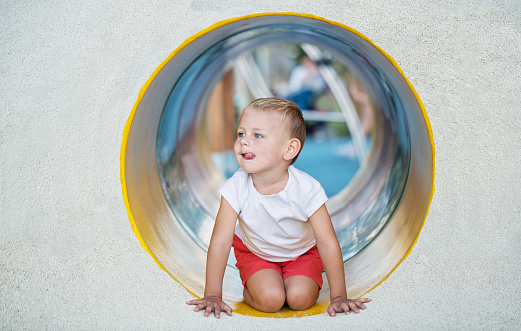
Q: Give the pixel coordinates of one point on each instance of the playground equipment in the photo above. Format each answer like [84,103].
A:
[170,182]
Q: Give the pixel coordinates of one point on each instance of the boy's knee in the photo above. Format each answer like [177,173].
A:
[270,301]
[301,300]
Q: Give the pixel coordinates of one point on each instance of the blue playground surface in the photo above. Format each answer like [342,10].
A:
[330,161]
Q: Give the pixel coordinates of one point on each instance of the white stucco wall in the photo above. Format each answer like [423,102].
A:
[71,72]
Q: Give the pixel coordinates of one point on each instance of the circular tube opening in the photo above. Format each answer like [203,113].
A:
[174,151]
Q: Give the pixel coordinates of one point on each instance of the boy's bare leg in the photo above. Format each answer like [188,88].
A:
[301,292]
[265,291]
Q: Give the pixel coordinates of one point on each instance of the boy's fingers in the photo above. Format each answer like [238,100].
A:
[345,308]
[228,310]
[331,311]
[217,312]
[200,306]
[353,307]
[208,310]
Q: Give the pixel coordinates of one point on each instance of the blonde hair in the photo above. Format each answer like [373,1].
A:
[287,111]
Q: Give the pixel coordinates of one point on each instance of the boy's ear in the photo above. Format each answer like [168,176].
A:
[292,149]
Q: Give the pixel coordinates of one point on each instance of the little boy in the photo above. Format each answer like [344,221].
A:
[284,238]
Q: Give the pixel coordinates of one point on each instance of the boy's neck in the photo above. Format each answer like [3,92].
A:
[272,182]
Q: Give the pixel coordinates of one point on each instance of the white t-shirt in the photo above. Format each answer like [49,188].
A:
[275,227]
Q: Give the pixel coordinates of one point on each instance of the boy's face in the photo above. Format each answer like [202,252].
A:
[262,139]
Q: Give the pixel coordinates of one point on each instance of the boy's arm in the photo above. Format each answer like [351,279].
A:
[331,255]
[218,251]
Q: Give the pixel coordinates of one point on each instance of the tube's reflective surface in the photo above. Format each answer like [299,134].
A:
[191,180]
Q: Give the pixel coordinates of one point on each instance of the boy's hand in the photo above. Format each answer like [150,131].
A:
[342,304]
[210,304]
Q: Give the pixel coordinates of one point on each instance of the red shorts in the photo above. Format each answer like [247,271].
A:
[308,264]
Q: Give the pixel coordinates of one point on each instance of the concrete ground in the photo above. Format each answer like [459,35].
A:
[71,72]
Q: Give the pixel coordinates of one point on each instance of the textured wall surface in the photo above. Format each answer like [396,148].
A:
[71,72]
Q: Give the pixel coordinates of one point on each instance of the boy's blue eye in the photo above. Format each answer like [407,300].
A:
[240,134]
[257,135]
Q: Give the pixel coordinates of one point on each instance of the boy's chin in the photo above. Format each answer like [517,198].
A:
[246,170]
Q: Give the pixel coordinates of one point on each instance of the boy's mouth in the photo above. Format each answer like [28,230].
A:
[248,156]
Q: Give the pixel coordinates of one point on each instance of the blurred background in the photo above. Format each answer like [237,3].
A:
[337,109]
